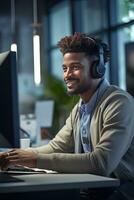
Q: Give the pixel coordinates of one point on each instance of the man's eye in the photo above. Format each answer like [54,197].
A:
[73,68]
[76,67]
[64,69]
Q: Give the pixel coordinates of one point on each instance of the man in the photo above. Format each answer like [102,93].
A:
[98,135]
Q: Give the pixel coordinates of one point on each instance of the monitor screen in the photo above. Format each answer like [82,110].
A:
[9,110]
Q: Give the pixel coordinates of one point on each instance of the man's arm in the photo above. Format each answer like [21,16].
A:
[63,142]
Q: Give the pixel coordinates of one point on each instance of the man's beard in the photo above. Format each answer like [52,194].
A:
[80,90]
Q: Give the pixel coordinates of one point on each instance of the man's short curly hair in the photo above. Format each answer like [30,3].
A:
[80,42]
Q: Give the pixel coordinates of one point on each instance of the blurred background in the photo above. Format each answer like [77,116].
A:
[33,27]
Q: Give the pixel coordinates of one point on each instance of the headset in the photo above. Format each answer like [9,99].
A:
[98,67]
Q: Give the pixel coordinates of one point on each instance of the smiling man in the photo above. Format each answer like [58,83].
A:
[98,135]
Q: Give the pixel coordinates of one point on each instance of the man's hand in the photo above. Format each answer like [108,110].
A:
[18,157]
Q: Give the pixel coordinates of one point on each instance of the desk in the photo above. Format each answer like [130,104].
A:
[53,186]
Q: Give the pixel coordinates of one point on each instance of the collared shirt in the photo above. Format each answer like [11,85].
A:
[85,113]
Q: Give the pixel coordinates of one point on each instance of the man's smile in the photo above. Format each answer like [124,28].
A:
[71,82]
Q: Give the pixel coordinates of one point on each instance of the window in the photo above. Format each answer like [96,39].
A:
[59,22]
[60,26]
[125,35]
[56,63]
[125,10]
[93,15]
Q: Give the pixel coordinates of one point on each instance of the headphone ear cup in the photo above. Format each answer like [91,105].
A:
[94,70]
[97,70]
[101,70]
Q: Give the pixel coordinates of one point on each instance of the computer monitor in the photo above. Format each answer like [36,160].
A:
[9,110]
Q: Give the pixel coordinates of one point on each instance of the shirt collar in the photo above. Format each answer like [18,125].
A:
[89,106]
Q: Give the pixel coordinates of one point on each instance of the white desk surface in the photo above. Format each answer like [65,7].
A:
[47,182]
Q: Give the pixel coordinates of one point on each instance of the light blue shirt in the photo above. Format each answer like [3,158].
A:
[85,113]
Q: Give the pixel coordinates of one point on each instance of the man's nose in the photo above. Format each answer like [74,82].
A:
[68,72]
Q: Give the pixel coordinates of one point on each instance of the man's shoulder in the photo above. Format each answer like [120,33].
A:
[117,95]
[114,90]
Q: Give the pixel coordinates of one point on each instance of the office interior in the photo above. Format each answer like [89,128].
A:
[20,20]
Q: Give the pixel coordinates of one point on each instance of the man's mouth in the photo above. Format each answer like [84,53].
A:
[71,83]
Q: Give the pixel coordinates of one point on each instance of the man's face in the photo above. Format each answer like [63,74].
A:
[76,69]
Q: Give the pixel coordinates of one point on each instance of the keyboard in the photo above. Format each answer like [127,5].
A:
[7,178]
[23,170]
[7,175]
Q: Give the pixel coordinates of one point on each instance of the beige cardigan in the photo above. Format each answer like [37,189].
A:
[111,131]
